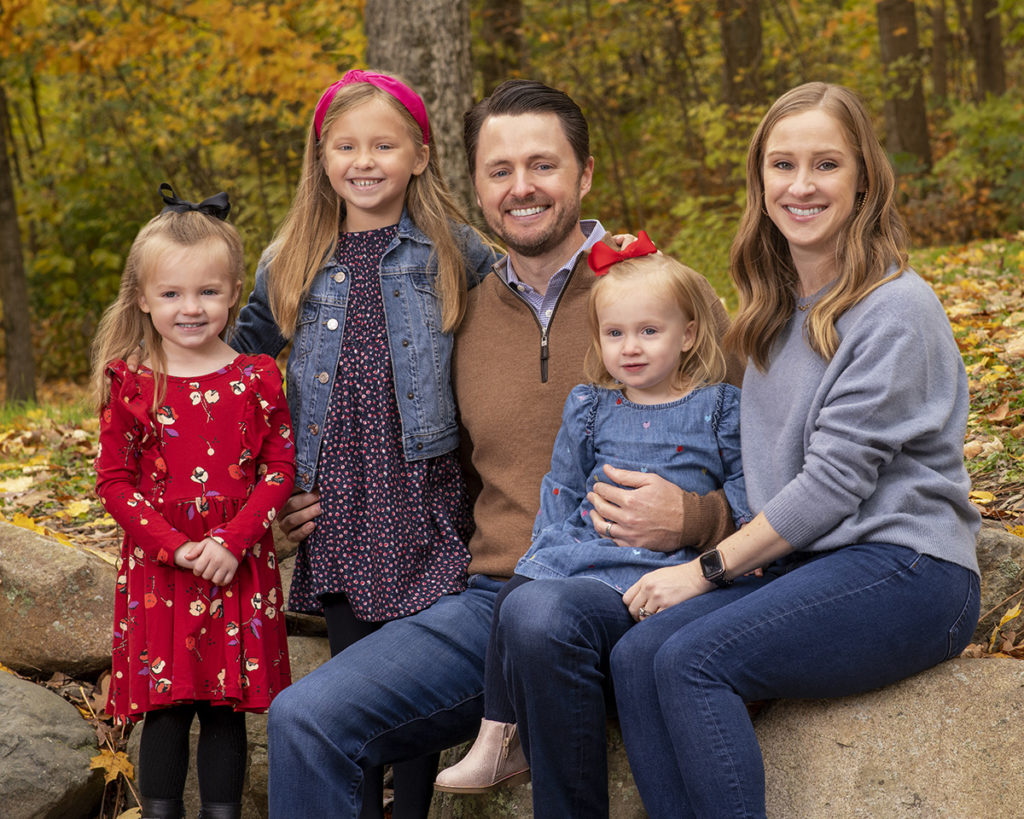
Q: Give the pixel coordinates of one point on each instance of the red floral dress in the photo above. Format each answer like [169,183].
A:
[216,461]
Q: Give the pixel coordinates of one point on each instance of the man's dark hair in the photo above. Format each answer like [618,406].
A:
[515,97]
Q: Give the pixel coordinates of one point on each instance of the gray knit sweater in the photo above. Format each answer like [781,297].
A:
[866,448]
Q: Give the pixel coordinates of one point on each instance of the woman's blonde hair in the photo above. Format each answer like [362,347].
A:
[704,362]
[124,326]
[310,229]
[873,239]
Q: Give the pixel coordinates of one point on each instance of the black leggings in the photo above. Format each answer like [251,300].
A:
[220,756]
[413,778]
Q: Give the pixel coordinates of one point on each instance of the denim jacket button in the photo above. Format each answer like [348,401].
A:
[323,378]
[339,277]
[397,293]
[332,324]
[314,429]
[419,446]
[409,395]
[405,342]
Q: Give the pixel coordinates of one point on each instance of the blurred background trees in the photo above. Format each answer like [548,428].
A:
[106,99]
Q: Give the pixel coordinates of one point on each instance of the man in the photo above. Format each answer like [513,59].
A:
[414,686]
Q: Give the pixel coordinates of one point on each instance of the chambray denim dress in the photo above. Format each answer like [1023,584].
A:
[420,352]
[693,442]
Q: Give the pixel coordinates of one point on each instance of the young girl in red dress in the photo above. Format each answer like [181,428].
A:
[196,458]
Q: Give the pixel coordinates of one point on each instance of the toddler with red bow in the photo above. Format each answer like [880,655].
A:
[656,404]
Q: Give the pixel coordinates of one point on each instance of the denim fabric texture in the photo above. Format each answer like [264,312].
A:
[823,625]
[554,638]
[420,352]
[412,687]
[693,442]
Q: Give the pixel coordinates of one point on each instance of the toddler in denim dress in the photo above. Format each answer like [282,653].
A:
[656,404]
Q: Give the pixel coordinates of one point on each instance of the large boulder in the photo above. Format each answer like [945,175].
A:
[945,743]
[56,605]
[45,751]
[1001,559]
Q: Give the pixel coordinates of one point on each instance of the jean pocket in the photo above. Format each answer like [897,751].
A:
[961,632]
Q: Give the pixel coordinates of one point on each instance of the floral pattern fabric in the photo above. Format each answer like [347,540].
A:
[392,533]
[217,460]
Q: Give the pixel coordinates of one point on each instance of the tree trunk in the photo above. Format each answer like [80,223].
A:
[739,23]
[21,368]
[427,43]
[502,51]
[987,45]
[905,116]
[940,50]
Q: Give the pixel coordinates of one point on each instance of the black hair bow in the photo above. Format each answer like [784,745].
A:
[217,205]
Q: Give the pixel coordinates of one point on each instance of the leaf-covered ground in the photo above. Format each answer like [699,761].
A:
[46,476]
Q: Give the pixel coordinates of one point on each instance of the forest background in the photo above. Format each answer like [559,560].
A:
[102,100]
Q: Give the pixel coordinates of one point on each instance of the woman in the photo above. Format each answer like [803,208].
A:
[853,415]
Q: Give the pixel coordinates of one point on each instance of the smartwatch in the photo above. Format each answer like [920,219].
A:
[712,565]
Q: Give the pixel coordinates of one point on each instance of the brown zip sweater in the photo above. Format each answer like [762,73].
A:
[511,381]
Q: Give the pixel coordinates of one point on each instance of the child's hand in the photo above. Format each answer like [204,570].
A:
[185,555]
[214,563]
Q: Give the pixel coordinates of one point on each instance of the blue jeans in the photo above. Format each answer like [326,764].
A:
[554,638]
[825,625]
[412,687]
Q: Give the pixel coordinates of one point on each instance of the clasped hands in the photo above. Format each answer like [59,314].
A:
[209,559]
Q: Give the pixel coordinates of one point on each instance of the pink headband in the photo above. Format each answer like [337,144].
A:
[399,90]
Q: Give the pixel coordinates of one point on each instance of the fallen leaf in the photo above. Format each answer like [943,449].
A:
[113,764]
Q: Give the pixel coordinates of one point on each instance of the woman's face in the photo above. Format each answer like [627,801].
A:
[811,178]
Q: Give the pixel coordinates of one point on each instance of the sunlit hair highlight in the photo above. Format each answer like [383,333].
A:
[309,232]
[124,325]
[703,363]
[872,241]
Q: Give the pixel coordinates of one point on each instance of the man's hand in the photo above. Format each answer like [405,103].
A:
[644,510]
[298,515]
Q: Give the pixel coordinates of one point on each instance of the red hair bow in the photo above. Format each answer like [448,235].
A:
[602,256]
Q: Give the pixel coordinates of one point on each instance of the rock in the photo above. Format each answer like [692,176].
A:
[56,605]
[945,742]
[1001,559]
[45,749]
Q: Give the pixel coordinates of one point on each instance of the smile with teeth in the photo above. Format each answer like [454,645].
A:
[804,211]
[364,183]
[531,211]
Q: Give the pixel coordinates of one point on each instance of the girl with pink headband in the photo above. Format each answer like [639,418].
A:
[367,278]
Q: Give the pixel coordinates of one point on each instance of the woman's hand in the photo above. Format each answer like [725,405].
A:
[645,510]
[298,515]
[664,588]
[209,559]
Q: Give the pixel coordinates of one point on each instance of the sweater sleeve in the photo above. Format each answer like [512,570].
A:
[269,424]
[564,487]
[125,430]
[727,433]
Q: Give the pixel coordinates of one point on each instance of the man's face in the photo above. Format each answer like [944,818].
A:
[528,182]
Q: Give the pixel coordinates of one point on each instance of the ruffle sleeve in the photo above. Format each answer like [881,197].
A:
[268,443]
[126,430]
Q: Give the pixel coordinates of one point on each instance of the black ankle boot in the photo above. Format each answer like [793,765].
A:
[162,808]
[220,810]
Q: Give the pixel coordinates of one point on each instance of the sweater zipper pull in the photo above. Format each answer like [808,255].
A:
[544,356]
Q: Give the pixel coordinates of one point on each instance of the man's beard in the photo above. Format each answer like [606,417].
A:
[534,245]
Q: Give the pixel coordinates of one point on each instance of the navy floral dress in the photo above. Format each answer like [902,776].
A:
[392,533]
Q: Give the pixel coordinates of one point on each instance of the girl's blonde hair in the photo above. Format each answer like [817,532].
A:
[310,229]
[704,362]
[873,239]
[124,325]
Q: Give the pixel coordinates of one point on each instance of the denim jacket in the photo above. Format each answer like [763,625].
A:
[420,352]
